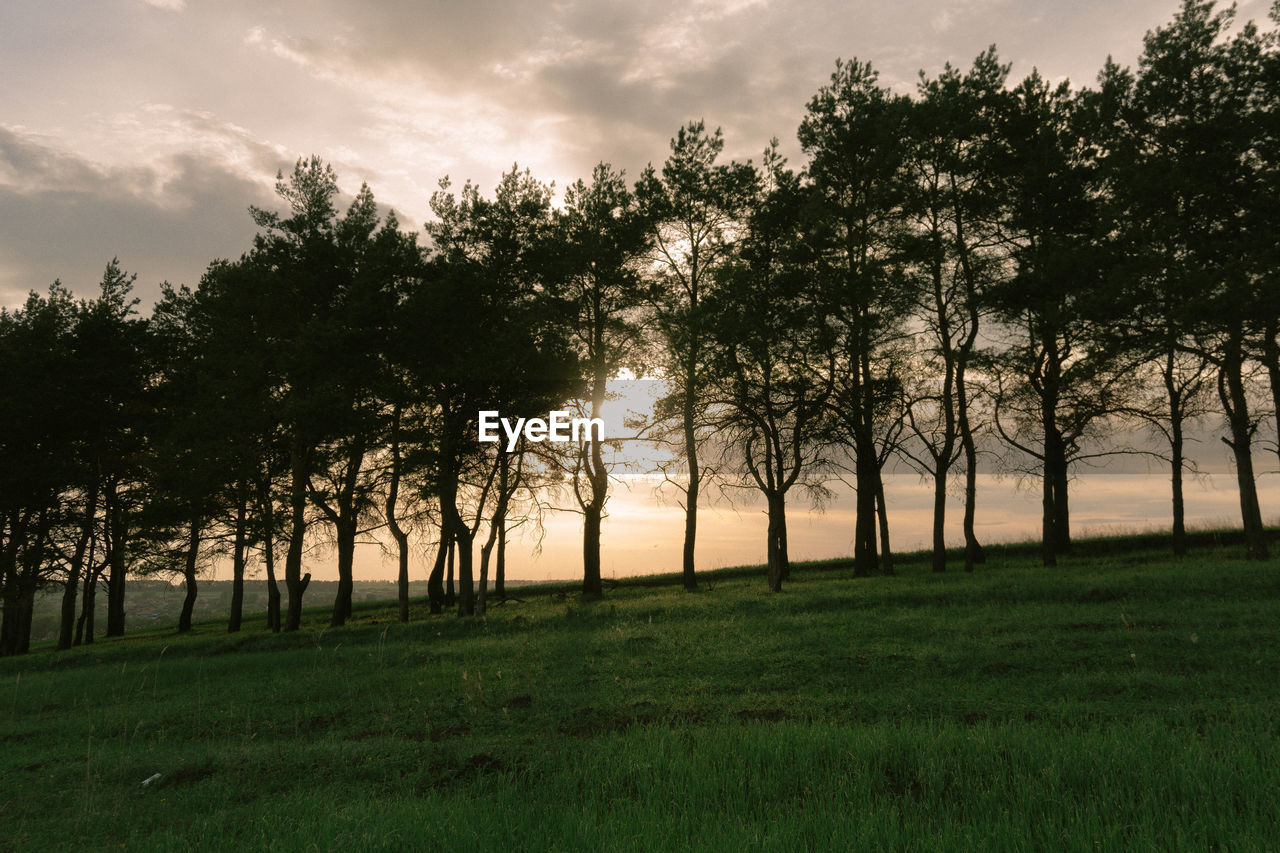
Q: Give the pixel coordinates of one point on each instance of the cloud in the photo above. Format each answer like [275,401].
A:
[555,85]
[156,119]
[66,217]
[603,79]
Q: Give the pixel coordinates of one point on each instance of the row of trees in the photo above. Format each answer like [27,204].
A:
[976,264]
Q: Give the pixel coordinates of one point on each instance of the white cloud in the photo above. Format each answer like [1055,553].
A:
[398,94]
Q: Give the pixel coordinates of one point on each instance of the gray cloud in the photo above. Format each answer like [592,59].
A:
[620,77]
[145,127]
[65,218]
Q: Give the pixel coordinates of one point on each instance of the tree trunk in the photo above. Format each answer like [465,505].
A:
[189,575]
[450,590]
[1048,553]
[9,586]
[299,475]
[393,524]
[238,562]
[1271,355]
[1176,461]
[435,580]
[346,528]
[865,561]
[1179,505]
[20,596]
[67,615]
[593,507]
[346,523]
[456,535]
[402,576]
[116,560]
[495,528]
[939,520]
[691,491]
[882,513]
[83,549]
[266,509]
[1231,389]
[84,625]
[482,594]
[776,546]
[466,578]
[1052,451]
[944,456]
[273,589]
[974,553]
[782,545]
[1055,473]
[592,586]
[500,572]
[9,619]
[1061,507]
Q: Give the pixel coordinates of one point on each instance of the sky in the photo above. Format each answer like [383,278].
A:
[143,129]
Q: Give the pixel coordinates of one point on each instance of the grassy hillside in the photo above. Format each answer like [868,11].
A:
[1121,701]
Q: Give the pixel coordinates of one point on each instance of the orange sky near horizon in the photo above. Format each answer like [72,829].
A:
[644,526]
[643,535]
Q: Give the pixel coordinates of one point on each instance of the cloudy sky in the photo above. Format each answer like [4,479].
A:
[144,128]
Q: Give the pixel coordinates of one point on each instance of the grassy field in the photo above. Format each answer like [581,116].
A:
[1122,701]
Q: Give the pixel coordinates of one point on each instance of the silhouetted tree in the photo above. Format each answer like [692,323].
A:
[1055,384]
[953,247]
[602,234]
[110,328]
[494,343]
[853,132]
[1192,156]
[304,276]
[695,206]
[1138,313]
[35,357]
[187,455]
[375,264]
[771,353]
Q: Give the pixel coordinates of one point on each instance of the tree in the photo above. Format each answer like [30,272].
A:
[240,398]
[110,330]
[695,207]
[187,456]
[304,274]
[35,356]
[77,535]
[602,233]
[954,251]
[1139,311]
[853,132]
[1264,212]
[409,413]
[75,423]
[1193,165]
[493,344]
[1055,384]
[771,353]
[375,265]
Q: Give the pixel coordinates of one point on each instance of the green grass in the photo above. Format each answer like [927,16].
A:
[1122,701]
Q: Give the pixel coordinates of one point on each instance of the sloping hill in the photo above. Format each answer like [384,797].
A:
[1123,700]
